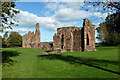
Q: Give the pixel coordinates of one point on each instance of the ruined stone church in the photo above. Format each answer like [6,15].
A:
[68,39]
[32,40]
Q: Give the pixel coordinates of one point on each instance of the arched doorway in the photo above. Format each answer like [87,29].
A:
[62,41]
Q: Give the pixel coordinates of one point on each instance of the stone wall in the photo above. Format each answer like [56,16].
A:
[75,38]
[32,40]
[89,35]
[67,39]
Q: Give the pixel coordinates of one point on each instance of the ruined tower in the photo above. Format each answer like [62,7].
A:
[32,40]
[37,33]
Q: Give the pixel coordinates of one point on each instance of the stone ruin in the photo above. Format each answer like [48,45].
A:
[68,39]
[32,40]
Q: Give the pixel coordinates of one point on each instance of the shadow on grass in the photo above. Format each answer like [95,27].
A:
[7,57]
[81,61]
[48,51]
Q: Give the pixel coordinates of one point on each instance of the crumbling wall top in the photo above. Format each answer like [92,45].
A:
[37,26]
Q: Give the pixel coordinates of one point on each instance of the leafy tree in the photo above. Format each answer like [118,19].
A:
[113,22]
[2,42]
[109,31]
[103,32]
[113,39]
[105,5]
[15,39]
[5,35]
[7,14]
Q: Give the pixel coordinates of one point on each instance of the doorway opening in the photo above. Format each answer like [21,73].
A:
[62,41]
[87,39]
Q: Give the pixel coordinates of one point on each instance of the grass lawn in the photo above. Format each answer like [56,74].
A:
[28,63]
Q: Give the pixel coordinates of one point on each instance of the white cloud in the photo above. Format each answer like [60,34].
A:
[75,5]
[101,15]
[20,30]
[63,15]
[62,6]
[69,14]
[104,15]
[98,14]
[50,23]
[29,20]
[51,0]
[26,19]
[57,5]
[71,11]
[46,13]
[52,6]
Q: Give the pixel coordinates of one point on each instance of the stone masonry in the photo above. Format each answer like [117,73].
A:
[68,39]
[32,40]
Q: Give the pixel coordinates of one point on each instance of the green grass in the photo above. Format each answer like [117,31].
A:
[102,63]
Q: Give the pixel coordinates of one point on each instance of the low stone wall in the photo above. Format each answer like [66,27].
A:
[40,45]
[45,46]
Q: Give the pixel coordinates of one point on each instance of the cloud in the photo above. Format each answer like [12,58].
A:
[100,15]
[49,23]
[52,6]
[75,5]
[29,20]
[47,13]
[63,15]
[20,30]
[51,0]
[68,11]
[69,14]
[61,5]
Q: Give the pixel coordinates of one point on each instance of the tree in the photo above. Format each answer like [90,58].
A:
[113,22]
[0,38]
[2,42]
[105,5]
[109,31]
[5,35]
[103,32]
[7,14]
[15,39]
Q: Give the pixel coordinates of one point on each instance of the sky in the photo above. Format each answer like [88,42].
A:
[52,15]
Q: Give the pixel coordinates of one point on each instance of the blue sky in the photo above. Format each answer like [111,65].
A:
[52,15]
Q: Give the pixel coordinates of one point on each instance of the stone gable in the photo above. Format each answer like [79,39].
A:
[68,39]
